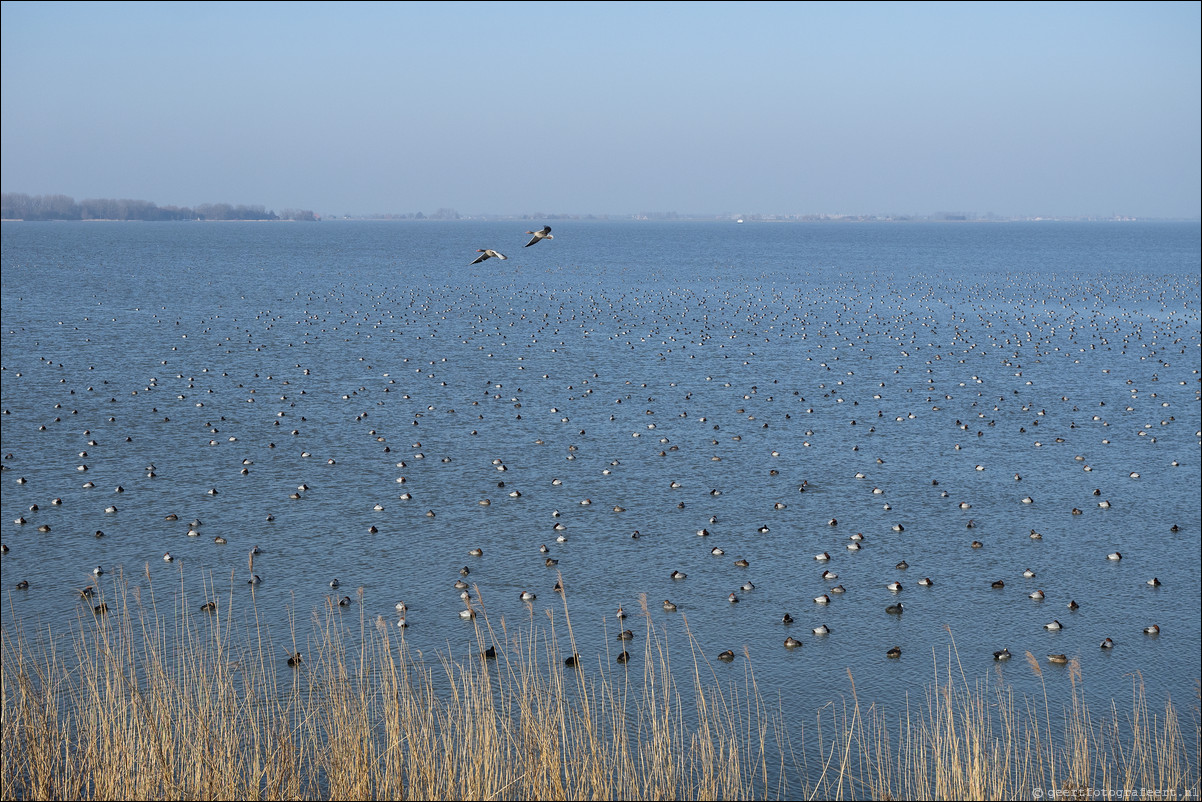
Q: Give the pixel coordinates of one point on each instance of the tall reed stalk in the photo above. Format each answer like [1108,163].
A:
[142,702]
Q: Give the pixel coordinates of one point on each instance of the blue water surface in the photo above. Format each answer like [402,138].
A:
[779,386]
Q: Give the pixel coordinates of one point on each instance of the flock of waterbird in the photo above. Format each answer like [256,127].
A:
[681,324]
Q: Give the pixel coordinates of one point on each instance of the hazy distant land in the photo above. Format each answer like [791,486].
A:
[21,206]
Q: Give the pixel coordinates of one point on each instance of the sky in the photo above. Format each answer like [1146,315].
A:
[1015,109]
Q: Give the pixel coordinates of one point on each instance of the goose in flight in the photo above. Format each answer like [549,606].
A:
[540,235]
[488,253]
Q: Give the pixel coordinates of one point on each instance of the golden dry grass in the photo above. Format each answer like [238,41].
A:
[176,704]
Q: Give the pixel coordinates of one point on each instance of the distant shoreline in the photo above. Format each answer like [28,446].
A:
[632,219]
[105,220]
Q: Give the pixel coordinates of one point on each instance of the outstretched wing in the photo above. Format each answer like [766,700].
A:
[480,258]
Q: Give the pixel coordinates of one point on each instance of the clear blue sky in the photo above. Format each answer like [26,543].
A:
[510,108]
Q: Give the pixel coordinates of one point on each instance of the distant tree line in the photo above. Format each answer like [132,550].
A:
[19,206]
[440,214]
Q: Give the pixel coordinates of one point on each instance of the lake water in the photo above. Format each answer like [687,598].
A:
[781,386]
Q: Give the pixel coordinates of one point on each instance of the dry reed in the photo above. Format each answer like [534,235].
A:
[177,704]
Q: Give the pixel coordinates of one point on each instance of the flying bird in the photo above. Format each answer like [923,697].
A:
[540,235]
[488,253]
